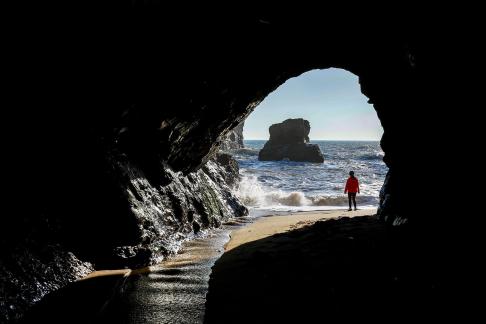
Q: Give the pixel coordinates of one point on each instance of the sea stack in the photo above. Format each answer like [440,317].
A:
[290,140]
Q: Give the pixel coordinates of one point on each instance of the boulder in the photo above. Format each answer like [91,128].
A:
[290,140]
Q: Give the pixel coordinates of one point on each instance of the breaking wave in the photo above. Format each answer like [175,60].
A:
[253,194]
[299,186]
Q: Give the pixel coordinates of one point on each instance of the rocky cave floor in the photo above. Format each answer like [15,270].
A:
[340,269]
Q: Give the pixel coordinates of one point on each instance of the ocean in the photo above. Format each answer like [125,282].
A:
[302,186]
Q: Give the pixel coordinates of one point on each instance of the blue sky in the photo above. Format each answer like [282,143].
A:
[329,99]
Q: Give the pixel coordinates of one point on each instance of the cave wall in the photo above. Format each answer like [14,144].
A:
[233,140]
[110,115]
[113,216]
[123,218]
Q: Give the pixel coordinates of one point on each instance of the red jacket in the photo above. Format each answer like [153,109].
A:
[352,185]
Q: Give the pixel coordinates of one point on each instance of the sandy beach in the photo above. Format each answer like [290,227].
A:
[263,227]
[271,225]
[251,252]
[304,267]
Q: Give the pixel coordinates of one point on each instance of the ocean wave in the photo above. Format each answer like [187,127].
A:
[295,198]
[253,194]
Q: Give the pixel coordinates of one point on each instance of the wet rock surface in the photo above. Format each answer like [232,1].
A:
[31,272]
[289,140]
[233,140]
[159,215]
[166,214]
[173,291]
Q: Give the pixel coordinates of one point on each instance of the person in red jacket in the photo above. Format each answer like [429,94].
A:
[352,187]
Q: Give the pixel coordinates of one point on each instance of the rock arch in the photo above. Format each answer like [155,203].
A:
[157,89]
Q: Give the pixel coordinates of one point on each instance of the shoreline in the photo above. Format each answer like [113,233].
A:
[183,276]
[305,268]
[268,225]
[248,229]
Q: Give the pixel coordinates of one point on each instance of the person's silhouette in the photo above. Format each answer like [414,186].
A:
[352,187]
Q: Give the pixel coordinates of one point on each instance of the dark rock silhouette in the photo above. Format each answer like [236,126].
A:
[160,211]
[289,140]
[145,96]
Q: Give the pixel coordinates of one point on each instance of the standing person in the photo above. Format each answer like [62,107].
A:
[352,187]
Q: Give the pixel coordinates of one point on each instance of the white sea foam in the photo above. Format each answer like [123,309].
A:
[253,194]
[286,185]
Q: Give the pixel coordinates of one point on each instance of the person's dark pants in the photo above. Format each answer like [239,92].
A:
[352,195]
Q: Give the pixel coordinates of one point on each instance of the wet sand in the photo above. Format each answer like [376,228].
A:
[270,225]
[313,267]
[173,291]
[324,268]
[319,267]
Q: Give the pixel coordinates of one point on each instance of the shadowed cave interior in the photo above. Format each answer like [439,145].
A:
[115,163]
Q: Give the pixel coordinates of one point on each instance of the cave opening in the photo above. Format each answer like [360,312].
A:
[149,104]
[342,125]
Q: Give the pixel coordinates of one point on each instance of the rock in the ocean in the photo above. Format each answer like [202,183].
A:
[290,140]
